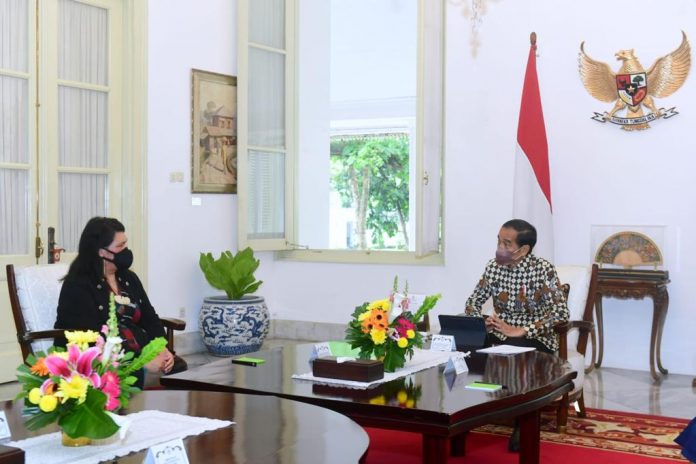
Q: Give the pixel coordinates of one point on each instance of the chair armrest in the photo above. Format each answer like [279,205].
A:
[170,325]
[561,328]
[40,335]
[173,323]
[583,326]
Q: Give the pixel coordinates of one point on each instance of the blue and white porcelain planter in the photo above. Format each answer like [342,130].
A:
[232,327]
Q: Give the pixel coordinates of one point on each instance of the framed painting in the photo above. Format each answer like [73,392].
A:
[213,132]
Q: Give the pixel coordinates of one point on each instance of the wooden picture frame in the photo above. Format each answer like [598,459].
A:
[213,132]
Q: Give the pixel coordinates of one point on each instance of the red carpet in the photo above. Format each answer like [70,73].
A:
[603,437]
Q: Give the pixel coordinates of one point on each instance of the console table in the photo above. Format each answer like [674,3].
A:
[636,284]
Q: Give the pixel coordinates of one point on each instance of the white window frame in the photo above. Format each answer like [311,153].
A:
[429,136]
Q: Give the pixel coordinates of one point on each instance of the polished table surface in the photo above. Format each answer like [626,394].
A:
[266,430]
[425,402]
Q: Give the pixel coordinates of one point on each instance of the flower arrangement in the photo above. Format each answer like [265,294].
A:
[81,385]
[386,331]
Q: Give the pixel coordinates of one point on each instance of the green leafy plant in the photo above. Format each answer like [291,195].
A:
[234,274]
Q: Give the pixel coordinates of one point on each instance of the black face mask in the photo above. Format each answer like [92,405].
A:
[122,260]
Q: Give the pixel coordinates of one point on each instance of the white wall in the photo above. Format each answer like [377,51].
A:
[600,174]
[183,35]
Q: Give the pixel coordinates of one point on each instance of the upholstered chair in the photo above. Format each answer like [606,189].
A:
[34,292]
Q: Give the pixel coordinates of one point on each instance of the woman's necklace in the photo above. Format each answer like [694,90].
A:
[114,288]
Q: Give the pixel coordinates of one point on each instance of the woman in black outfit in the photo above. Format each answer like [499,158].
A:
[100,269]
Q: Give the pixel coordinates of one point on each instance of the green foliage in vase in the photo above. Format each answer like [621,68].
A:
[234,274]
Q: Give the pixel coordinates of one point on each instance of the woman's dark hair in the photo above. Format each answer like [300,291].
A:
[526,233]
[98,233]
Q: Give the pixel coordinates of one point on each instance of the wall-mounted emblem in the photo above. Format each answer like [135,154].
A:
[633,88]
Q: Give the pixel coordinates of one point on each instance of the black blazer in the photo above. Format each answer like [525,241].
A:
[84,304]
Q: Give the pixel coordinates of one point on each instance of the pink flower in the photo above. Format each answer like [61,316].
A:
[80,362]
[403,325]
[48,387]
[111,386]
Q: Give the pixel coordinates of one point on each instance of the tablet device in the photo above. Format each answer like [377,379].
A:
[469,334]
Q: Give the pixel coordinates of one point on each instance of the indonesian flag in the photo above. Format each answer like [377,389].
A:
[532,191]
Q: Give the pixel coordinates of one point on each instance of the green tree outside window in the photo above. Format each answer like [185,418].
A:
[371,175]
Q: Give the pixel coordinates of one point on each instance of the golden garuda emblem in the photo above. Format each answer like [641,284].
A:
[633,87]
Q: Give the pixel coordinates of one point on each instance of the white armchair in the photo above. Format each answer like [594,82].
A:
[581,289]
[34,293]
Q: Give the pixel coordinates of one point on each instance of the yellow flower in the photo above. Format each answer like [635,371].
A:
[410,403]
[75,387]
[34,396]
[384,305]
[402,396]
[364,315]
[377,400]
[48,403]
[410,333]
[81,338]
[378,336]
[402,342]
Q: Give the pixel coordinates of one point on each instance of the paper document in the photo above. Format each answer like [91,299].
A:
[505,349]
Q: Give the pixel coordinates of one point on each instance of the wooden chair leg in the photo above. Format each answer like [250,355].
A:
[562,415]
[593,341]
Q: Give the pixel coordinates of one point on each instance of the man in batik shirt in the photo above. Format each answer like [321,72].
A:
[525,289]
[526,296]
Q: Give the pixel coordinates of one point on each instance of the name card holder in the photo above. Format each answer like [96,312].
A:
[4,426]
[170,452]
[442,343]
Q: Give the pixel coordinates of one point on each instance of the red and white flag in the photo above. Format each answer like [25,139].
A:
[532,190]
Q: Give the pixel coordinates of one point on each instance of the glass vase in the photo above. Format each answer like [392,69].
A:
[67,440]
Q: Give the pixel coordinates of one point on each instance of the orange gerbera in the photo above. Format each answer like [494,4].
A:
[39,367]
[379,317]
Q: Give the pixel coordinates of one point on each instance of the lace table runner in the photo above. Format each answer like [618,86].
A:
[422,359]
[147,428]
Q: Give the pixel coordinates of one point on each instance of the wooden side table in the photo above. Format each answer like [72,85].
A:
[636,284]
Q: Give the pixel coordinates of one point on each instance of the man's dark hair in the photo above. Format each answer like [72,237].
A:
[526,233]
[98,233]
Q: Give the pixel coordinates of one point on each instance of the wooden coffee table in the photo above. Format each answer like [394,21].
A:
[266,429]
[438,410]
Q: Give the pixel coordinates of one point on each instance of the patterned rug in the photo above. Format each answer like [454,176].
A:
[613,431]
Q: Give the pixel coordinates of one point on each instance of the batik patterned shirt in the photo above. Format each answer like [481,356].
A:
[526,295]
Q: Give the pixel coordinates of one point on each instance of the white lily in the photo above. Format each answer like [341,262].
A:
[396,308]
[111,345]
